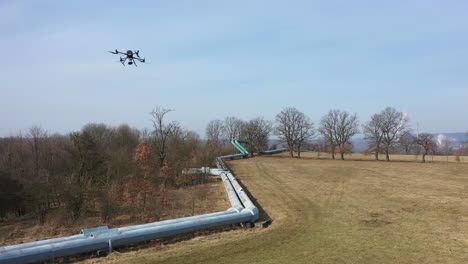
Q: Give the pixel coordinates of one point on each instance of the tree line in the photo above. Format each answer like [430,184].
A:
[100,169]
[386,132]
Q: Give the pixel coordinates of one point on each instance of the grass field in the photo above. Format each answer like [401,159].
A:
[393,157]
[333,211]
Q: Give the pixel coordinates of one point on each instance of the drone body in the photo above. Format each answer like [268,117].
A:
[131,56]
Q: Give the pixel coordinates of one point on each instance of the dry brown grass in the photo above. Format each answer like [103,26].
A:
[187,201]
[393,157]
[327,211]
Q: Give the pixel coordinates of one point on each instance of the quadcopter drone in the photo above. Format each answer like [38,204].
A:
[131,56]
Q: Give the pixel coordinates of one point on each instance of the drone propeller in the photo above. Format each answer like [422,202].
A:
[137,53]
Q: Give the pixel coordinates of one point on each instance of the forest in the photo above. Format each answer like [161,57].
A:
[100,170]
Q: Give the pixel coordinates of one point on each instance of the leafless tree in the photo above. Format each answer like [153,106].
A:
[40,187]
[321,145]
[36,137]
[393,126]
[338,127]
[373,133]
[161,132]
[101,133]
[232,127]
[256,132]
[407,142]
[427,143]
[215,131]
[327,128]
[294,128]
[446,148]
[305,133]
[88,169]
[347,127]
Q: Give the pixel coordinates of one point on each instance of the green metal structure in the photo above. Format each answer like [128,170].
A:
[240,147]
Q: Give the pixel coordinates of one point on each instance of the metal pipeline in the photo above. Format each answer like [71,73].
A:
[116,237]
[177,220]
[40,242]
[248,204]
[269,152]
[232,195]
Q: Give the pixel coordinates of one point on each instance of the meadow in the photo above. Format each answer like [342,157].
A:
[334,211]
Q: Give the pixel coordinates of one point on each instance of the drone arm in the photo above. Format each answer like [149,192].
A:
[122,60]
[117,52]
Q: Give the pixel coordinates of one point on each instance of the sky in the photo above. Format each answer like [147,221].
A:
[212,59]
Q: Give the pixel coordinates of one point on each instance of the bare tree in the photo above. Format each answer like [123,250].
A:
[36,137]
[393,126]
[338,127]
[321,145]
[101,133]
[328,124]
[305,133]
[256,132]
[232,127]
[87,169]
[294,128]
[373,133]
[446,147]
[161,132]
[427,143]
[346,128]
[40,181]
[407,142]
[215,131]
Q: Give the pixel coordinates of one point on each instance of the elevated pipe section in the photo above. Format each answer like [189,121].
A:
[241,194]
[274,151]
[232,195]
[244,198]
[240,147]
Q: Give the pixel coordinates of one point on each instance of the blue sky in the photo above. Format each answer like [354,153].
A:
[211,59]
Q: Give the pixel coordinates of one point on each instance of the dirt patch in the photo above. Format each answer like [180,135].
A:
[375,222]
[374,215]
[408,209]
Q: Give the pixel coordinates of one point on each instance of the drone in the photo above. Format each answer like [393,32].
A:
[131,56]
